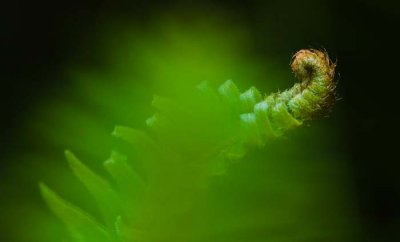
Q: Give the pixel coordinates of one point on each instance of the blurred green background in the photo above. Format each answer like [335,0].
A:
[73,70]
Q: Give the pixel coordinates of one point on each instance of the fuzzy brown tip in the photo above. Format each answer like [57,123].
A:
[309,63]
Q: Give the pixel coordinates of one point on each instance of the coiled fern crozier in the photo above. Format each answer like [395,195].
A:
[186,143]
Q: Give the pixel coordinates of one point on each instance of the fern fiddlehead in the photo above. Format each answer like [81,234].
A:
[186,143]
[312,96]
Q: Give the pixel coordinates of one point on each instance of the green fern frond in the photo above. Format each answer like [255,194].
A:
[81,225]
[187,142]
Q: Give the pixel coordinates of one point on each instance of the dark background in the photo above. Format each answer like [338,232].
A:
[39,37]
